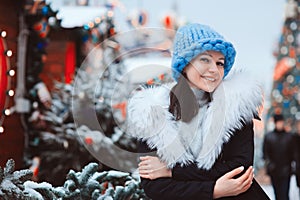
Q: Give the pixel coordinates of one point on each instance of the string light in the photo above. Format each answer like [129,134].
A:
[110,13]
[8,53]
[3,34]
[91,24]
[97,20]
[7,112]
[11,93]
[11,72]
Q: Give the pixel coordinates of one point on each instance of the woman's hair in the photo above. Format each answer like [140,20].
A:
[183,102]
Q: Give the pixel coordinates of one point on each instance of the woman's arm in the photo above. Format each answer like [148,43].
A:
[168,188]
[227,185]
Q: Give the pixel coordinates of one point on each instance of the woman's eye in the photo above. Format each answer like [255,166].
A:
[220,64]
[206,60]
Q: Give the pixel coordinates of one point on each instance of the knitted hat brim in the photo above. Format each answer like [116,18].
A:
[180,61]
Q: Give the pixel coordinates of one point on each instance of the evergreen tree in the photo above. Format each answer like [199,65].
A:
[87,184]
[285,95]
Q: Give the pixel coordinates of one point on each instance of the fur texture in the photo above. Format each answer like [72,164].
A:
[235,101]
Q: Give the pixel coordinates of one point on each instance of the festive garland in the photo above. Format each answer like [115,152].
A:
[6,73]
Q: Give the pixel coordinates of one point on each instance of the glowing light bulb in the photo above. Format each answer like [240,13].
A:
[91,24]
[11,72]
[7,112]
[11,93]
[110,13]
[3,34]
[97,20]
[9,53]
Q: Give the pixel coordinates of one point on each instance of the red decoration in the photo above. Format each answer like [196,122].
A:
[155,80]
[292,52]
[70,62]
[112,31]
[150,82]
[122,107]
[3,76]
[42,28]
[161,77]
[281,68]
[88,140]
[168,22]
[105,186]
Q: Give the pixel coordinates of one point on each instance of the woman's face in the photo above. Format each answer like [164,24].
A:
[206,71]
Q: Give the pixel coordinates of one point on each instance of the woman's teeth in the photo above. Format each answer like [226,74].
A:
[210,79]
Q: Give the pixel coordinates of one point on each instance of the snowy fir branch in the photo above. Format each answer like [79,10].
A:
[87,184]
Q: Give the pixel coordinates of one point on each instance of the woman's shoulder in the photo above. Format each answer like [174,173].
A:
[154,95]
[147,111]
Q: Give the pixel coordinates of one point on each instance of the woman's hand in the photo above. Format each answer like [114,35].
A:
[151,167]
[227,185]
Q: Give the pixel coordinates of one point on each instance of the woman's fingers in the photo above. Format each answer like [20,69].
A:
[234,172]
[248,182]
[245,180]
[145,176]
[144,167]
[245,176]
[143,163]
[146,157]
[145,171]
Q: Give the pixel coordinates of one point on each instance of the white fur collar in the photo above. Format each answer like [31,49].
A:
[201,140]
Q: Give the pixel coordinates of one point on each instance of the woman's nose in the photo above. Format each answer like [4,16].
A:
[213,68]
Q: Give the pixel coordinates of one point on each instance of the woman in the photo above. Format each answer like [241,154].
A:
[201,127]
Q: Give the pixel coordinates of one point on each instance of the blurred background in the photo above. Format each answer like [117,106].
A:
[62,60]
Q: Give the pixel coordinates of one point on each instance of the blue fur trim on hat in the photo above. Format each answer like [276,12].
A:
[194,39]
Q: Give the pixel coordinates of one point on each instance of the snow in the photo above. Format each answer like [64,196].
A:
[76,16]
[141,69]
[117,174]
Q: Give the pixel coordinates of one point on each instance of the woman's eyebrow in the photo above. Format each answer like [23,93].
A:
[205,53]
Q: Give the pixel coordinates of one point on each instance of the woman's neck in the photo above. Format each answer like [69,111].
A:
[201,96]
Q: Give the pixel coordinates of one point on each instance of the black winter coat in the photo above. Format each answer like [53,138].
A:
[278,153]
[192,183]
[297,157]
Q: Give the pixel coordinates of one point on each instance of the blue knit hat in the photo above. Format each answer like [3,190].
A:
[194,39]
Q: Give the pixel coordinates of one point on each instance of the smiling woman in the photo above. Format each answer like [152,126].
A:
[201,127]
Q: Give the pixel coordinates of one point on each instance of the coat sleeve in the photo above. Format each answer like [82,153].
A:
[239,151]
[168,188]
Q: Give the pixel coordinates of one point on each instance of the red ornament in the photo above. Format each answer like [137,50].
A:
[150,82]
[281,68]
[42,28]
[122,107]
[70,62]
[292,52]
[168,22]
[161,77]
[88,140]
